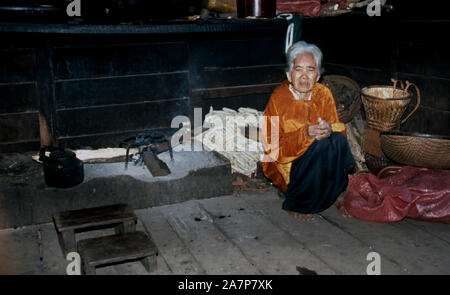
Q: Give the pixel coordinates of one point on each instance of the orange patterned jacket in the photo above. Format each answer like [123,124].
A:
[294,116]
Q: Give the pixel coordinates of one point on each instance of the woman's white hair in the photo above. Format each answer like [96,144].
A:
[302,47]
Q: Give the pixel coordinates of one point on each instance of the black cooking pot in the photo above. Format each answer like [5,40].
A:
[61,168]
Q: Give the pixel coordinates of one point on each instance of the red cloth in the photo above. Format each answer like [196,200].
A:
[305,7]
[412,192]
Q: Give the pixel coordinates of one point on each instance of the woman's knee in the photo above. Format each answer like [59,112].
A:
[334,140]
[338,136]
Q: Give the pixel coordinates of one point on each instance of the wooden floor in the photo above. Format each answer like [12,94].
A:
[248,234]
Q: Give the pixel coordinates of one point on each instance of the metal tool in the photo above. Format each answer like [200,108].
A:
[152,142]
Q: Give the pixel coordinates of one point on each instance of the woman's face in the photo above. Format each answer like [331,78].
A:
[304,74]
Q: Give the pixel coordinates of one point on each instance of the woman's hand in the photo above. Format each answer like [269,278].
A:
[319,131]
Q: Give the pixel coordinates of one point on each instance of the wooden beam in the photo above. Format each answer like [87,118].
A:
[230,91]
[45,94]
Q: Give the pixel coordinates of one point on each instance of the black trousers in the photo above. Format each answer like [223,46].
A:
[320,175]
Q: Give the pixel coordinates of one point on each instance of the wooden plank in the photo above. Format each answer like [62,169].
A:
[119,60]
[171,248]
[417,252]
[19,127]
[120,90]
[343,253]
[136,267]
[362,75]
[219,63]
[421,229]
[151,115]
[20,146]
[18,65]
[244,52]
[429,121]
[45,94]
[155,165]
[54,262]
[221,92]
[434,91]
[116,248]
[215,253]
[90,217]
[427,59]
[240,76]
[18,98]
[19,253]
[158,30]
[437,229]
[270,248]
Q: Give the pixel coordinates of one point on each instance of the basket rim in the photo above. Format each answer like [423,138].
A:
[384,99]
[415,134]
[324,77]
[356,99]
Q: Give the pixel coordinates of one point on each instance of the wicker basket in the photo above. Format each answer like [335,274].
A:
[385,105]
[346,93]
[414,149]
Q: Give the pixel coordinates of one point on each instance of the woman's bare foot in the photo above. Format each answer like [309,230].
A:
[301,217]
[340,205]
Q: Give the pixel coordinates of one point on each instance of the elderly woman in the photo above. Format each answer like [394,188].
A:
[313,157]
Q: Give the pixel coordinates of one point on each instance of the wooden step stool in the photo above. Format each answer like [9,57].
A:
[118,215]
[117,248]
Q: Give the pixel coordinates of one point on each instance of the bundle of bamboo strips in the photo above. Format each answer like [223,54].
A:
[224,136]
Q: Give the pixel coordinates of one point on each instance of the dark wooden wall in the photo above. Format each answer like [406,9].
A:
[97,89]
[19,105]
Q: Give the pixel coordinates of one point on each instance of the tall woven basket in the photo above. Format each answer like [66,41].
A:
[385,105]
